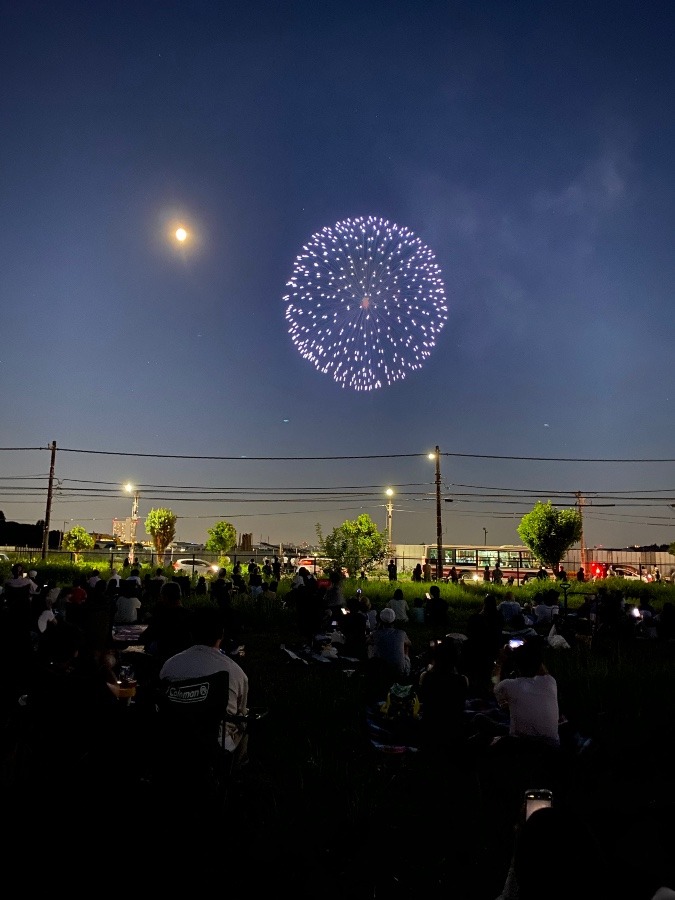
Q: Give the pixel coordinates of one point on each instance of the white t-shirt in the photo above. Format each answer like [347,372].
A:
[400,608]
[533,706]
[127,610]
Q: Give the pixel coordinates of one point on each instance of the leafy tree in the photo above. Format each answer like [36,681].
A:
[671,548]
[355,545]
[550,532]
[76,540]
[222,537]
[161,526]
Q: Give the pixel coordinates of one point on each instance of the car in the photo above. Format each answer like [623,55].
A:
[4,557]
[194,566]
[629,573]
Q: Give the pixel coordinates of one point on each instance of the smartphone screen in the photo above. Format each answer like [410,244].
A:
[537,799]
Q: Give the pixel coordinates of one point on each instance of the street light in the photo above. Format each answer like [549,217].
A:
[389,492]
[129,488]
[439,526]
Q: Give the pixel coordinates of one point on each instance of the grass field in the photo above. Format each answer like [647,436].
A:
[320,812]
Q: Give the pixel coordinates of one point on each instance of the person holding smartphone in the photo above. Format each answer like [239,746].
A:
[529,754]
[531,697]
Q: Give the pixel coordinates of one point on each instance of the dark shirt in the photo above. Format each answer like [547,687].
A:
[437,612]
[443,696]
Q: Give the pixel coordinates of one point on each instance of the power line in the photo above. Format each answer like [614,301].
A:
[241,457]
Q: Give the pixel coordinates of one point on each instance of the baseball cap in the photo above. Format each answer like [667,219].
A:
[387,615]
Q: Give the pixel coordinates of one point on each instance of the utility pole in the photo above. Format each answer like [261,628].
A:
[439,525]
[582,553]
[50,488]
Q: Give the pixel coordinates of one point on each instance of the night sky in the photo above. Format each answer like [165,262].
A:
[528,145]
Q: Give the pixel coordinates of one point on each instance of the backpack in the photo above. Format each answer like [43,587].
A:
[402,703]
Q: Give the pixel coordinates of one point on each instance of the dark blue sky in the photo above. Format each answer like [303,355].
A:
[528,144]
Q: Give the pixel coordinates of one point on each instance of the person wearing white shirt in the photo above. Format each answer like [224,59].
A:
[205,657]
[399,605]
[128,604]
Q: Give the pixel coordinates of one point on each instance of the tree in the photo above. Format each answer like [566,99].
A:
[161,526]
[222,537]
[76,540]
[355,545]
[550,532]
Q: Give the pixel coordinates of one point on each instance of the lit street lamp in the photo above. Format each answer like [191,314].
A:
[389,492]
[132,525]
[439,526]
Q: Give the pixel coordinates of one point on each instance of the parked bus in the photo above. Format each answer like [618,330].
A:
[470,561]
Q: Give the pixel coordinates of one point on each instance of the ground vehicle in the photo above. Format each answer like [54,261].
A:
[313,564]
[194,566]
[4,557]
[515,562]
[606,570]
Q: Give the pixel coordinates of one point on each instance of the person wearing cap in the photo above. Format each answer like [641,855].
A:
[390,645]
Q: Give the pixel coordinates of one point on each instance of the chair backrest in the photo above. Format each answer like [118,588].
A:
[192,709]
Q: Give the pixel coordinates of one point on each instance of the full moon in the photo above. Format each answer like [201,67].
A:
[181,234]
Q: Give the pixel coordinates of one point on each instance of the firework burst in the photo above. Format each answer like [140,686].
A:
[366,303]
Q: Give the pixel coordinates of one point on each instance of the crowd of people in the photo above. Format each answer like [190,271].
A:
[486,687]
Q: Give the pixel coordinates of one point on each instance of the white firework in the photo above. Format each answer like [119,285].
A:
[366,302]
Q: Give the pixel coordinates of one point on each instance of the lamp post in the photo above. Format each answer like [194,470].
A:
[439,526]
[389,492]
[134,515]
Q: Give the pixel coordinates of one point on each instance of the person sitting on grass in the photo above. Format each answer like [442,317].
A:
[437,608]
[443,692]
[390,645]
[399,605]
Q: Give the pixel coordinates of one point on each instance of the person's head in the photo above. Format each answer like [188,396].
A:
[529,658]
[222,573]
[273,586]
[17,570]
[387,616]
[435,591]
[207,626]
[33,574]
[490,603]
[445,654]
[516,623]
[551,598]
[158,571]
[170,593]
[398,594]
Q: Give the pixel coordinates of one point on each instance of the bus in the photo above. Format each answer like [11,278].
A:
[470,560]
